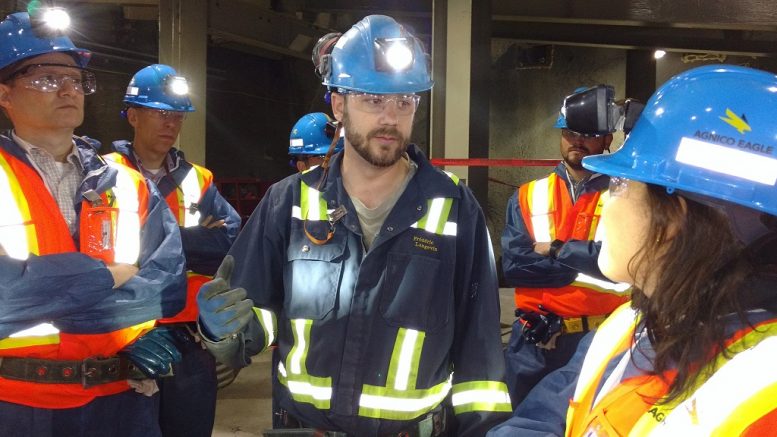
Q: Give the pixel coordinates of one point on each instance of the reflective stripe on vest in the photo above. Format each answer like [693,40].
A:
[715,408]
[17,231]
[612,338]
[189,195]
[39,335]
[540,199]
[303,386]
[127,237]
[436,218]
[269,325]
[312,205]
[399,399]
[481,396]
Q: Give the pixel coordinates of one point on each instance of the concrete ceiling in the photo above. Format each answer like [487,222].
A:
[277,28]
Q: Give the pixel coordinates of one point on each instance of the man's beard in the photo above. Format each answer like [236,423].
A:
[360,143]
[573,165]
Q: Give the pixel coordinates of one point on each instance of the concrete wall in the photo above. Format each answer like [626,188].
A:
[524,107]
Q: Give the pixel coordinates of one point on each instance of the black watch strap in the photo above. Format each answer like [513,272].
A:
[555,246]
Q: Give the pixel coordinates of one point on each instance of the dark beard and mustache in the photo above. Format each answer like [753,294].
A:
[360,142]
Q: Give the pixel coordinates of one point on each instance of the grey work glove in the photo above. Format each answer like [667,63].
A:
[224,311]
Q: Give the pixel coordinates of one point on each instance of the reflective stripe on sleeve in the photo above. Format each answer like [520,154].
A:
[481,396]
[269,324]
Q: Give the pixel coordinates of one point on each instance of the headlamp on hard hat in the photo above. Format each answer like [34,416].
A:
[48,22]
[594,111]
[177,85]
[393,54]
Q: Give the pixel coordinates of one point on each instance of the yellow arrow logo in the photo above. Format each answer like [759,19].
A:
[739,123]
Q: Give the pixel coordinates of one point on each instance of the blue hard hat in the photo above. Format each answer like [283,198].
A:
[561,121]
[312,135]
[159,86]
[709,131]
[18,41]
[378,55]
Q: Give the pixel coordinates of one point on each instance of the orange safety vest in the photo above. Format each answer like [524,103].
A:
[550,214]
[33,224]
[183,204]
[713,407]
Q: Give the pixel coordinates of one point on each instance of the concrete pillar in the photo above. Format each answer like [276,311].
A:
[460,99]
[183,44]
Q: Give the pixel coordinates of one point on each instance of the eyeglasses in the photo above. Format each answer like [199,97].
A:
[165,115]
[82,80]
[573,136]
[405,104]
[619,187]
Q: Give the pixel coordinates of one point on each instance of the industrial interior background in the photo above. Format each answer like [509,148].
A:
[501,69]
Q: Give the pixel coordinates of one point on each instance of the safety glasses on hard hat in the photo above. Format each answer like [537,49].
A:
[41,77]
[571,135]
[404,104]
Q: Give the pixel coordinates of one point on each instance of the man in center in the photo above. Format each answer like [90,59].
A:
[375,267]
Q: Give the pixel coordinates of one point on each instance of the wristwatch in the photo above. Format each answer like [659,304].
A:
[555,246]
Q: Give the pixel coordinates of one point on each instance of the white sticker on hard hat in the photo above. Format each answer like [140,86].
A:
[296,142]
[725,160]
[133,91]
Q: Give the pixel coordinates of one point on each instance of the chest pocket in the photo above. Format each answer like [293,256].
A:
[417,292]
[313,273]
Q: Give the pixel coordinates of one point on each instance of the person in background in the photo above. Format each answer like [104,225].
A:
[549,250]
[90,257]
[373,273]
[157,102]
[310,139]
[691,222]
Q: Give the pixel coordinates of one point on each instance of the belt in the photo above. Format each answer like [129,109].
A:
[88,373]
[434,424]
[574,325]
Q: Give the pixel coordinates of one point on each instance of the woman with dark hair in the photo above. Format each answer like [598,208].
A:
[691,222]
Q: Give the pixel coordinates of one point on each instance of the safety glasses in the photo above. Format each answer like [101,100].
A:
[404,104]
[48,79]
[165,115]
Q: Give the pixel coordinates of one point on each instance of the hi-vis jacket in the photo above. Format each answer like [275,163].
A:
[370,342]
[56,301]
[550,209]
[615,394]
[192,196]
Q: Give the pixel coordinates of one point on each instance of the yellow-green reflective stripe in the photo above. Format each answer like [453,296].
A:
[748,361]
[302,386]
[17,233]
[269,325]
[480,396]
[39,335]
[309,197]
[403,367]
[436,218]
[399,399]
[540,202]
[600,285]
[190,190]
[127,237]
[453,177]
[386,403]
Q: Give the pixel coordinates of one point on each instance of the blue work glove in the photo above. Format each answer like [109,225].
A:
[223,310]
[154,352]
